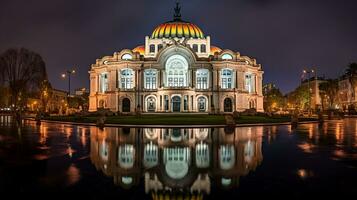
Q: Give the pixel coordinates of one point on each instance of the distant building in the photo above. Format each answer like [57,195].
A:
[346,95]
[58,101]
[80,91]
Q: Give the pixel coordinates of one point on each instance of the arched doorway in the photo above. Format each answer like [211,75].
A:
[151,104]
[126,105]
[176,104]
[251,104]
[101,104]
[228,105]
[201,104]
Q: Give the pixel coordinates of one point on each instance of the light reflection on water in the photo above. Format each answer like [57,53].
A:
[184,161]
[179,163]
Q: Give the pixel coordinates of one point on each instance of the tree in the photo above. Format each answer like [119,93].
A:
[351,73]
[273,99]
[22,71]
[299,98]
[4,97]
[328,92]
[45,93]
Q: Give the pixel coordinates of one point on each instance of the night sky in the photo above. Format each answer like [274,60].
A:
[283,35]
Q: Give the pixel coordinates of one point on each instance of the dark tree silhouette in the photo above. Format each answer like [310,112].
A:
[22,71]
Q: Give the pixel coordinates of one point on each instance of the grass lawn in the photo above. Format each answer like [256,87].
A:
[150,119]
[176,119]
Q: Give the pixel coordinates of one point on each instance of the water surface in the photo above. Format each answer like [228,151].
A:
[204,163]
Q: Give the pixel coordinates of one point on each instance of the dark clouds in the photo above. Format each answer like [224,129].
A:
[284,35]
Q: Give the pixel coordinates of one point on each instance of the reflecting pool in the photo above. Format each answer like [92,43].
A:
[179,163]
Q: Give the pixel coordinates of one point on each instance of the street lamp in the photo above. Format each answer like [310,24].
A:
[68,73]
[308,72]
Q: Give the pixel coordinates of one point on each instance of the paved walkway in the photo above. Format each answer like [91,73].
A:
[173,126]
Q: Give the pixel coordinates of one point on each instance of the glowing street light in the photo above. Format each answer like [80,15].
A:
[64,76]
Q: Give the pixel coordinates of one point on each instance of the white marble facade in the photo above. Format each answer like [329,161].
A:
[177,70]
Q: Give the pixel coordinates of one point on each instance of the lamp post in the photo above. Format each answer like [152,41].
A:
[308,72]
[68,73]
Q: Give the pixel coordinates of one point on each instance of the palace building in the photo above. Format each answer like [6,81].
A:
[176,70]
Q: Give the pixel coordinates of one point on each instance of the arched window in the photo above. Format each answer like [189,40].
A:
[201,104]
[151,104]
[176,71]
[202,79]
[250,83]
[228,105]
[227,56]
[226,78]
[127,78]
[152,48]
[126,105]
[195,48]
[203,48]
[103,82]
[127,57]
[150,78]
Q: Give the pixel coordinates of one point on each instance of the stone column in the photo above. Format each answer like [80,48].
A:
[240,81]
[112,80]
[163,78]
[194,78]
[214,80]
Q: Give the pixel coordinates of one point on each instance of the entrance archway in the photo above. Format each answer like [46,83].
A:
[126,105]
[228,105]
[201,104]
[176,104]
[151,104]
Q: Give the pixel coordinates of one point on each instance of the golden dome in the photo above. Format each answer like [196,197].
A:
[139,49]
[177,28]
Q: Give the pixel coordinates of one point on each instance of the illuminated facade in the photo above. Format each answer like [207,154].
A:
[176,70]
[181,162]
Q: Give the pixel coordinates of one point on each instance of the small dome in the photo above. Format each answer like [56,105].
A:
[177,29]
[140,49]
[215,49]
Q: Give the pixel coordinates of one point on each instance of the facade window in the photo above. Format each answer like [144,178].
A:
[127,79]
[159,47]
[250,83]
[185,103]
[103,82]
[127,57]
[203,48]
[166,102]
[150,78]
[195,48]
[152,48]
[202,79]
[176,71]
[227,56]
[226,78]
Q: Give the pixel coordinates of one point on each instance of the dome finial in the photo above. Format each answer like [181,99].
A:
[177,15]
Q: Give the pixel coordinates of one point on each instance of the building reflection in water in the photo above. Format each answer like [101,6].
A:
[176,162]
